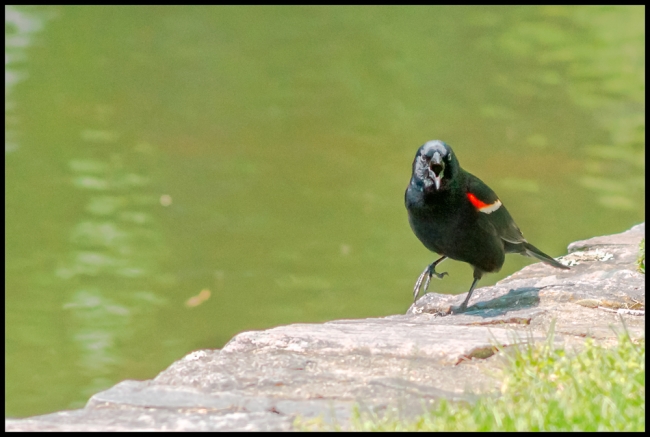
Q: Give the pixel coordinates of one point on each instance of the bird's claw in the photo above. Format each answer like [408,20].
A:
[425,277]
[440,275]
[459,309]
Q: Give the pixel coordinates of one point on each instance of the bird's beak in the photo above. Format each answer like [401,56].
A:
[437,167]
[436,180]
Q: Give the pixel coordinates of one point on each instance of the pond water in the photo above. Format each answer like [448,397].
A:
[176,175]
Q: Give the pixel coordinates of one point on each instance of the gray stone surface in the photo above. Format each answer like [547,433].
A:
[400,337]
[263,380]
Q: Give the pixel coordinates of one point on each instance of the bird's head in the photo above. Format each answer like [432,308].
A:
[434,166]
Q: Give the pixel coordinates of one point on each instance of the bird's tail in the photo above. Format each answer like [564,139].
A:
[535,252]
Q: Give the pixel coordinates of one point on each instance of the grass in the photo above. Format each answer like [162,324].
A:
[641,261]
[545,389]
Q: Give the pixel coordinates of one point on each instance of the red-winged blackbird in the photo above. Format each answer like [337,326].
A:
[456,215]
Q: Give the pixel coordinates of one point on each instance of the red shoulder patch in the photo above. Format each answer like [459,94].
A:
[487,208]
[476,202]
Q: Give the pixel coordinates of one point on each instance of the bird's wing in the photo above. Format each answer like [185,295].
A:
[493,215]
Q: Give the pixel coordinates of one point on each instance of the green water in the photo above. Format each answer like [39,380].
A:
[176,175]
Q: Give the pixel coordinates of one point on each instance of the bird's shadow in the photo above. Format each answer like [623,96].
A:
[515,299]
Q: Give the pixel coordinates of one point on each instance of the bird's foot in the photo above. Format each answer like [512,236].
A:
[425,277]
[459,309]
[463,306]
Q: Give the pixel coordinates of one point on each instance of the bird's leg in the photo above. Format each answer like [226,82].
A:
[425,276]
[477,276]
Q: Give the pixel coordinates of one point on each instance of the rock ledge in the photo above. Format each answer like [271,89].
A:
[263,380]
